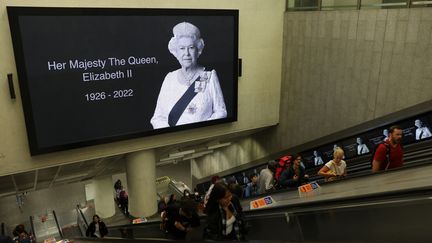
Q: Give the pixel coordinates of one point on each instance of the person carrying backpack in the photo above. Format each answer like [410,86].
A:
[283,164]
[389,154]
[124,201]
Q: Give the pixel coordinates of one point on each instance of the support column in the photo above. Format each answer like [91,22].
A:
[141,179]
[104,196]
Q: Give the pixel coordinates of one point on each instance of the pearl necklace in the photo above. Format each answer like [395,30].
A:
[188,77]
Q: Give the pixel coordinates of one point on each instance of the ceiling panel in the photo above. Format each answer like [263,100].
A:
[6,184]
[47,174]
[25,181]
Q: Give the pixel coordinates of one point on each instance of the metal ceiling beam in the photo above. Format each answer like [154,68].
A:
[55,177]
[36,179]
[14,182]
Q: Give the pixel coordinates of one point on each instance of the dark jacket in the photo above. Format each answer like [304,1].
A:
[286,178]
[173,215]
[92,228]
[214,220]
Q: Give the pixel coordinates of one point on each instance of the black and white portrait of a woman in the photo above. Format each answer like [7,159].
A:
[191,93]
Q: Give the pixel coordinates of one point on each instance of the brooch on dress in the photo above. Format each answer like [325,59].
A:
[201,83]
[192,108]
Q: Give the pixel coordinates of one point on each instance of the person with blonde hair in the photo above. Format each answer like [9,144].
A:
[191,93]
[335,168]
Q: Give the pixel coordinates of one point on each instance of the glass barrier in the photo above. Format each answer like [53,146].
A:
[338,4]
[303,5]
[368,4]
[314,5]
[81,222]
[422,3]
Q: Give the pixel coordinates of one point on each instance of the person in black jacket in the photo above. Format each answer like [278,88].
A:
[97,228]
[182,218]
[295,175]
[224,215]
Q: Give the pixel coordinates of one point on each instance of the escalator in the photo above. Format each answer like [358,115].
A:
[396,218]
[393,206]
[54,226]
[166,186]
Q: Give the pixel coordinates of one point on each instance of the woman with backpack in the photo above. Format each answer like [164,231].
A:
[295,175]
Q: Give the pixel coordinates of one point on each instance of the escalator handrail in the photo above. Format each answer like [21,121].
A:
[32,226]
[58,225]
[353,175]
[387,198]
[338,205]
[79,222]
[82,215]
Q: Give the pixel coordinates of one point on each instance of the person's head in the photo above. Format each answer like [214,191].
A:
[220,195]
[386,132]
[338,155]
[96,218]
[359,140]
[253,178]
[297,160]
[186,193]
[395,134]
[215,179]
[19,229]
[172,198]
[186,44]
[232,180]
[236,189]
[418,123]
[271,165]
[315,153]
[188,207]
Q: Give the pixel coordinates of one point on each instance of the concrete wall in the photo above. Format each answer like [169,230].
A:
[239,153]
[260,47]
[342,68]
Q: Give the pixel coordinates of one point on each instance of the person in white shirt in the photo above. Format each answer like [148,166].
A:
[189,94]
[215,179]
[422,131]
[361,147]
[335,168]
[266,178]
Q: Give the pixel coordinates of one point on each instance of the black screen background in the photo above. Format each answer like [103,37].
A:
[60,111]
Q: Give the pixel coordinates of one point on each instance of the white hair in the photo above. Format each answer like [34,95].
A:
[185,29]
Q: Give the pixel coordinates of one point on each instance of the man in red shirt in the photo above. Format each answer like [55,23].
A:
[389,154]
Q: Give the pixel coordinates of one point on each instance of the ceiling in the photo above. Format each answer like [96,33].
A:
[59,175]
[86,170]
